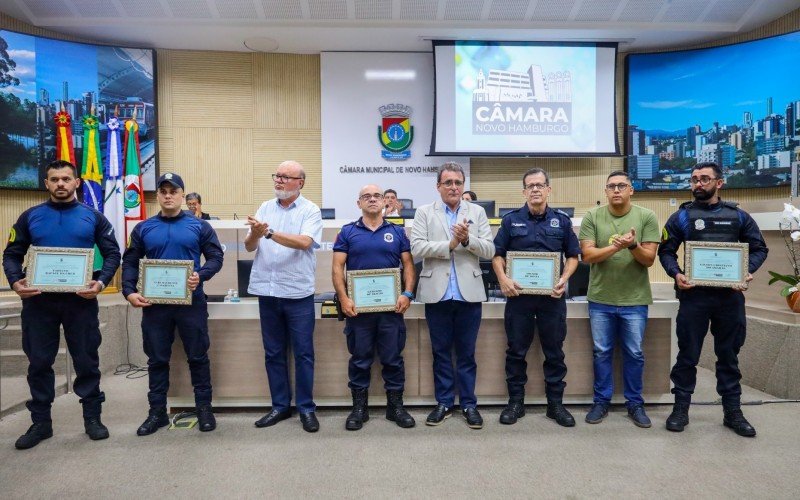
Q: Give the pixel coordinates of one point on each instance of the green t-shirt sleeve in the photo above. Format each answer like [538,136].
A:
[587,231]
[650,231]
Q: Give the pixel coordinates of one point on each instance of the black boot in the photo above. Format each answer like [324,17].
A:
[679,418]
[734,418]
[205,418]
[395,411]
[360,413]
[515,409]
[156,418]
[37,433]
[562,416]
[95,428]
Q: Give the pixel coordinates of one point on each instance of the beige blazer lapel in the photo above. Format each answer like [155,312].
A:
[439,207]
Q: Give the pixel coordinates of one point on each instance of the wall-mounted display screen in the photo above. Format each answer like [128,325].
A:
[524,99]
[38,75]
[736,105]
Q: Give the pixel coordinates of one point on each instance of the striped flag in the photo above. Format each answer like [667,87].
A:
[134,194]
[114,206]
[91,173]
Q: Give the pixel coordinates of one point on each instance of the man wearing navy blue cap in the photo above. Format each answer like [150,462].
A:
[372,243]
[174,234]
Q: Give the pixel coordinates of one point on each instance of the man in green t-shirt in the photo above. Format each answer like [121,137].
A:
[619,240]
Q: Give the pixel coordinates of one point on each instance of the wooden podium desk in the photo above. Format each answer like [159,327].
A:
[239,377]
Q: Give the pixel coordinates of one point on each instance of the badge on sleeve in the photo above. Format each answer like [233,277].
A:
[12,235]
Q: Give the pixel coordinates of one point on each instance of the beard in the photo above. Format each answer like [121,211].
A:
[285,195]
[703,195]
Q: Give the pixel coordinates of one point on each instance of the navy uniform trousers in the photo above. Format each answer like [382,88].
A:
[385,331]
[549,317]
[724,309]
[158,333]
[42,315]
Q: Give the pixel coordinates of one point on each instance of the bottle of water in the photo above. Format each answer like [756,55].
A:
[228,296]
[235,296]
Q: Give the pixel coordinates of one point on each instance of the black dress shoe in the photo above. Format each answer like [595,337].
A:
[205,418]
[562,416]
[156,419]
[95,428]
[473,418]
[514,410]
[273,418]
[734,418]
[37,433]
[438,415]
[310,422]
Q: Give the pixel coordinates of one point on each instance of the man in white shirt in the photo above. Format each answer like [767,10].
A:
[391,203]
[284,233]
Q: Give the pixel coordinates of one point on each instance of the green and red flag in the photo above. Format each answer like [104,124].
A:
[134,194]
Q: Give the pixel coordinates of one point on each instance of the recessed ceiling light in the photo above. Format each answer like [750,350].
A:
[261,44]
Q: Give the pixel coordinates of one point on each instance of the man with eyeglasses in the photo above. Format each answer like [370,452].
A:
[284,233]
[451,236]
[373,243]
[536,227]
[619,241]
[708,218]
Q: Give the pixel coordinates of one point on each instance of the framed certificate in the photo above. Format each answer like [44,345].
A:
[536,272]
[716,264]
[163,281]
[374,290]
[56,269]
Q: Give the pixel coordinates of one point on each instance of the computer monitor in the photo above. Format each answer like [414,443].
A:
[490,281]
[487,205]
[407,202]
[502,211]
[243,268]
[578,284]
[570,211]
[408,213]
[328,213]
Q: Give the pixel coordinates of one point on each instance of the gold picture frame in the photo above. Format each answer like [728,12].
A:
[724,264]
[531,263]
[59,269]
[374,290]
[168,289]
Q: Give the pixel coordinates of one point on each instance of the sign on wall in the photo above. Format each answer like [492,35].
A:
[377,114]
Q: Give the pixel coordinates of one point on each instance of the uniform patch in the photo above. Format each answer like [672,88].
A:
[388,237]
[12,235]
[664,235]
[555,223]
[699,224]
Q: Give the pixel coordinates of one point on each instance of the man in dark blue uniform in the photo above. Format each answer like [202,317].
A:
[708,218]
[61,222]
[536,228]
[373,243]
[174,234]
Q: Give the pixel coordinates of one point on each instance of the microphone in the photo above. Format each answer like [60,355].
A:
[235,217]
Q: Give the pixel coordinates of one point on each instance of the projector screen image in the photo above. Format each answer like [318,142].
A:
[524,99]
[736,105]
[38,75]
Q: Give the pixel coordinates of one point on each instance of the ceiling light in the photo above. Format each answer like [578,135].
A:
[261,44]
[395,74]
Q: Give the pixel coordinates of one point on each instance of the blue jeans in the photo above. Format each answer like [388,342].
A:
[608,324]
[284,321]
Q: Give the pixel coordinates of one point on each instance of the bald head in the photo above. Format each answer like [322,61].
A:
[370,200]
[293,168]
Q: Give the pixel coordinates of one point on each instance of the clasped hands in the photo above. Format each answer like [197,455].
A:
[460,232]
[259,229]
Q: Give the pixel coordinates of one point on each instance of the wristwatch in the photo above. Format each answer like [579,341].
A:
[635,244]
[409,295]
[269,234]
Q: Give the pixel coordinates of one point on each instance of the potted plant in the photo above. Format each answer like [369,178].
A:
[789,226]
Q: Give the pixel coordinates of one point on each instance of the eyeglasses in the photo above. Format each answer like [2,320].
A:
[539,187]
[704,180]
[284,178]
[374,196]
[452,183]
[613,187]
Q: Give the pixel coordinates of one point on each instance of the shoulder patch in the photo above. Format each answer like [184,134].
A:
[664,235]
[12,235]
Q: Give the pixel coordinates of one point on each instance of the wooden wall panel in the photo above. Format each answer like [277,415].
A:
[286,91]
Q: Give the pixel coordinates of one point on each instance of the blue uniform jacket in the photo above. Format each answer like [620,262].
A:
[183,237]
[70,225]
[551,231]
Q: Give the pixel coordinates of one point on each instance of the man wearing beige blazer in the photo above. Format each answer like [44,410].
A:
[450,236]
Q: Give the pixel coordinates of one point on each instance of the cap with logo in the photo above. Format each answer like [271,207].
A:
[171,178]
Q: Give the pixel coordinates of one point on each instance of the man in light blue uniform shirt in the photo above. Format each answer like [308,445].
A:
[284,233]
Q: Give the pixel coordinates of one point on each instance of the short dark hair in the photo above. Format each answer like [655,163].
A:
[472,195]
[712,165]
[534,171]
[390,191]
[194,196]
[450,166]
[59,164]
[618,173]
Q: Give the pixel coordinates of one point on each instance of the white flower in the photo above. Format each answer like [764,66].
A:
[795,235]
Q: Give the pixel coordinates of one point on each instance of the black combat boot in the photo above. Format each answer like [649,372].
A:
[360,413]
[562,416]
[37,433]
[395,411]
[734,418]
[156,418]
[515,409]
[95,428]
[205,418]
[679,418]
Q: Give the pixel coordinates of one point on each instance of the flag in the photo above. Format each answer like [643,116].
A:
[134,194]
[114,206]
[91,173]
[65,150]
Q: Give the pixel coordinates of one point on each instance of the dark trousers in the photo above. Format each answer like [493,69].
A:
[549,317]
[282,321]
[454,325]
[159,322]
[724,310]
[387,332]
[41,317]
